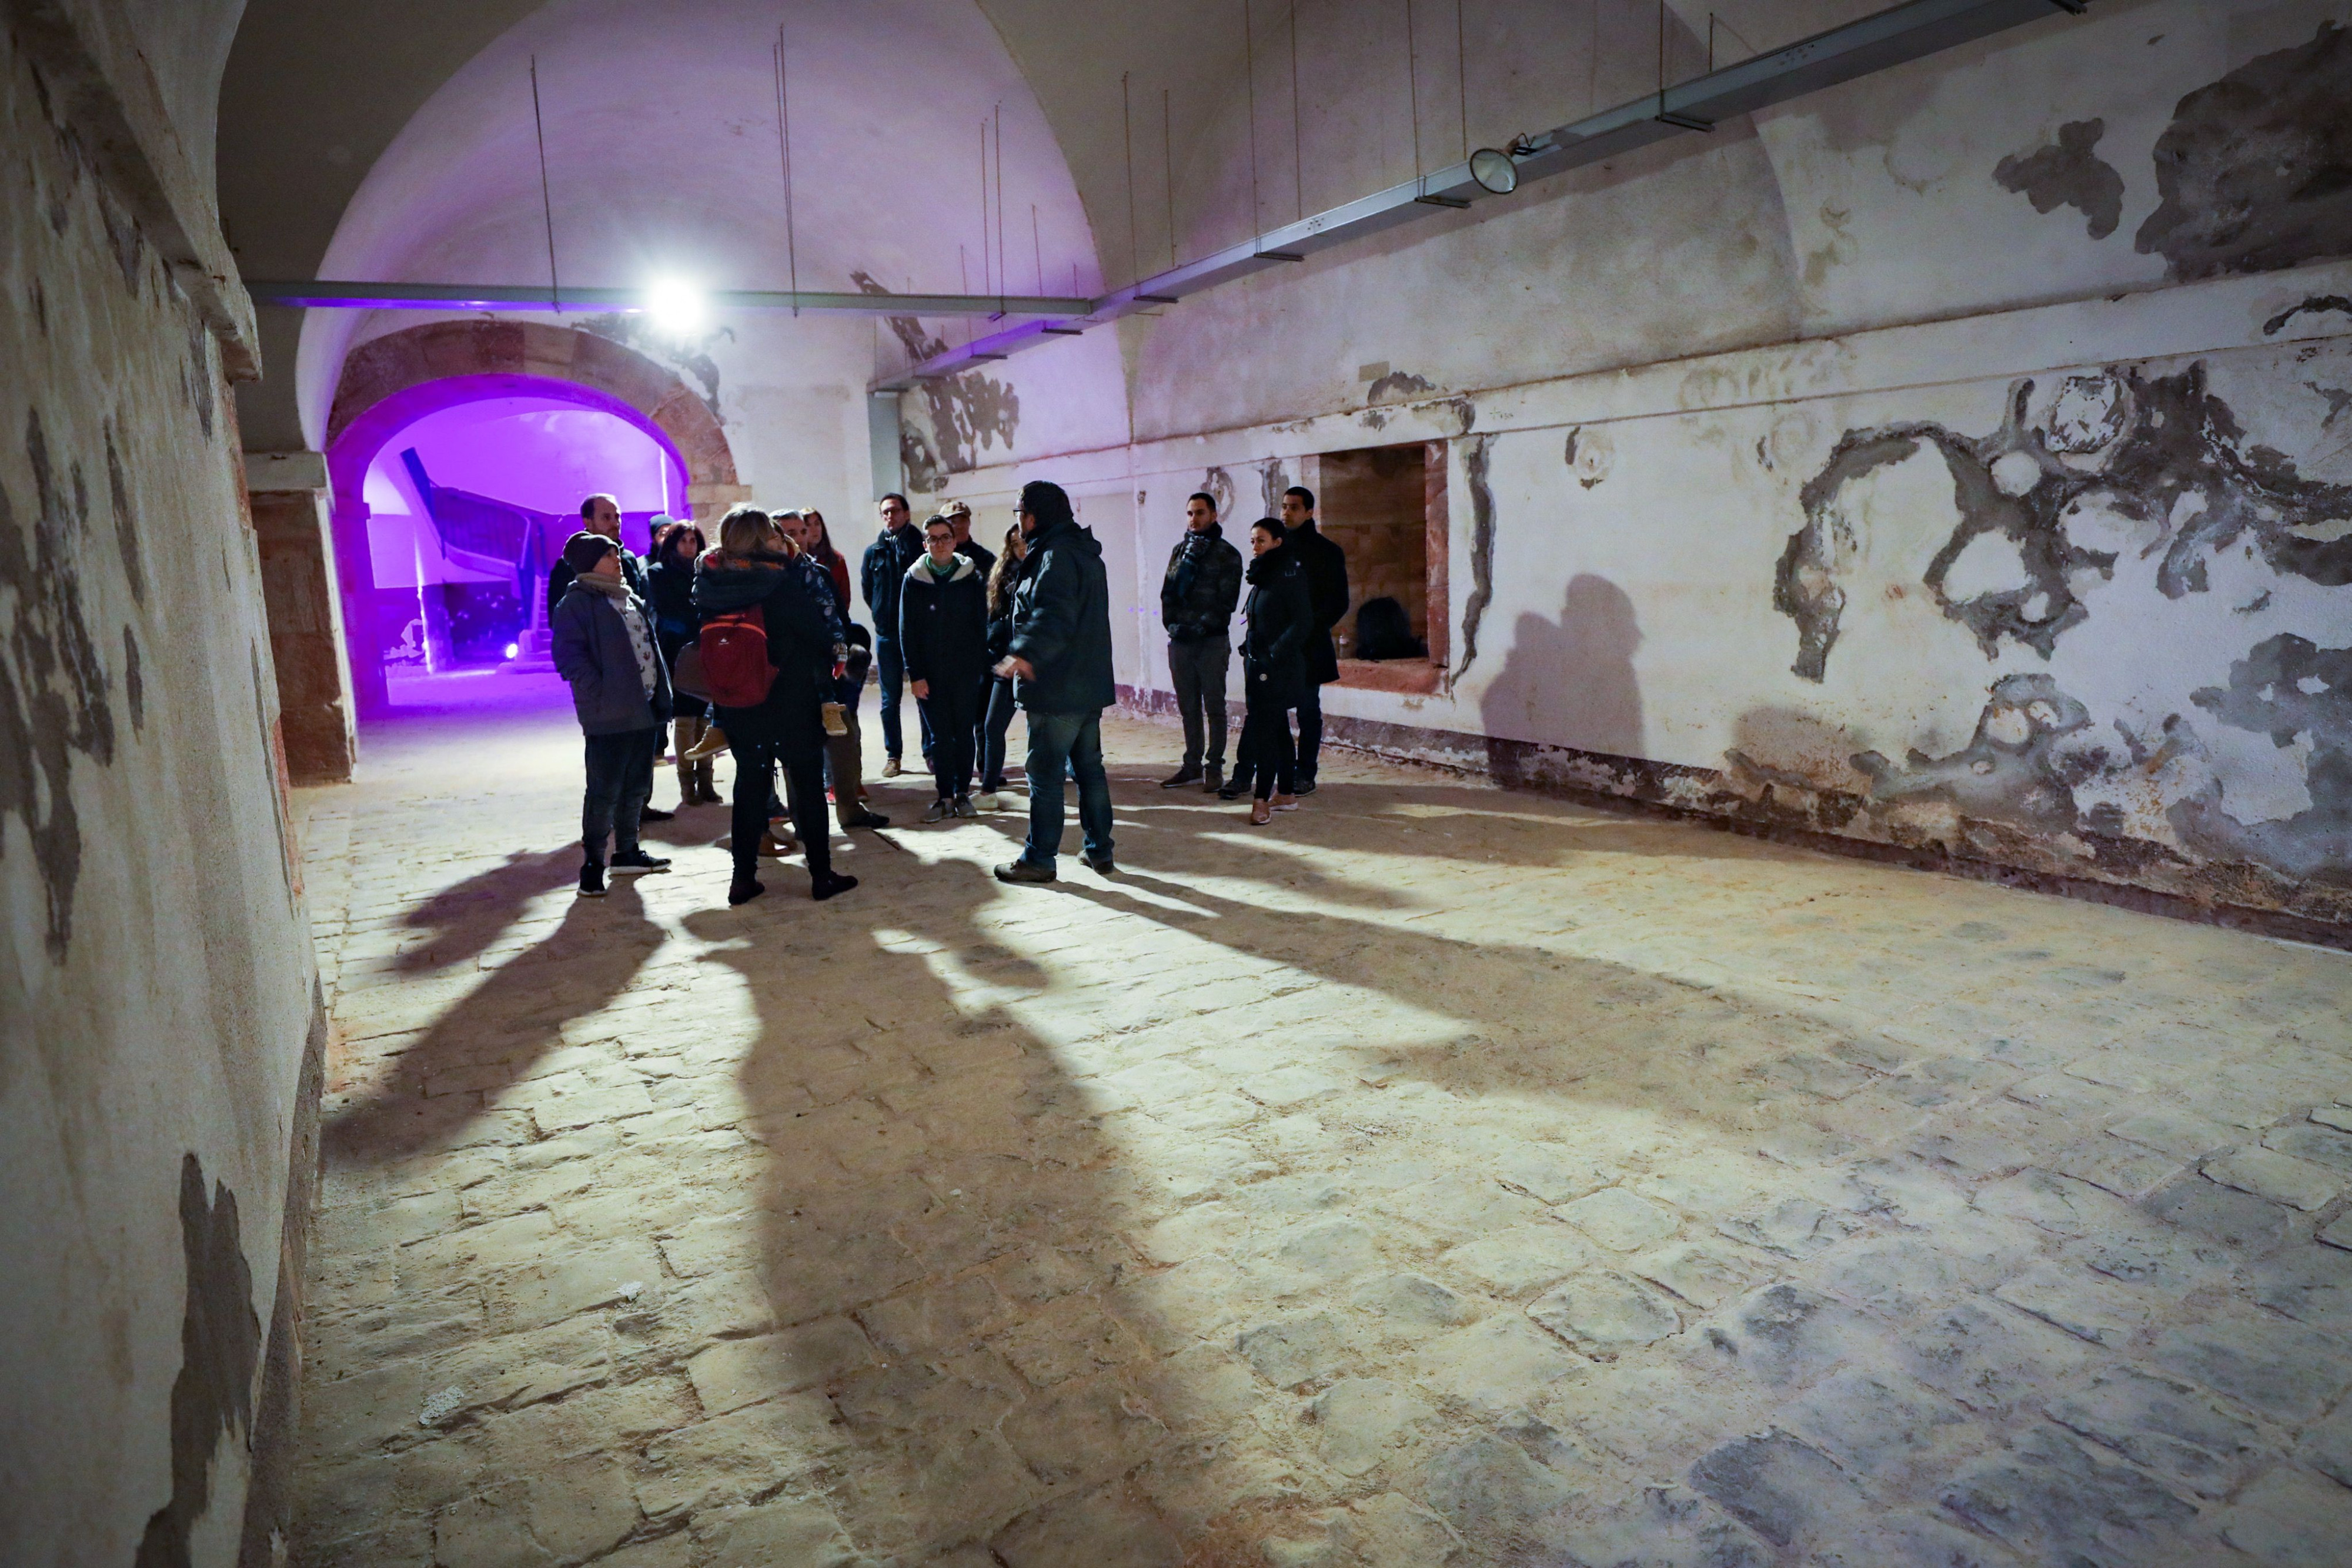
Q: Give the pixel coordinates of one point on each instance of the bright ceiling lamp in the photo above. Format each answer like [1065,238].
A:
[676,307]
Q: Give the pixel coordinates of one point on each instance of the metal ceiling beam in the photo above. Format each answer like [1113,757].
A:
[1890,38]
[505,297]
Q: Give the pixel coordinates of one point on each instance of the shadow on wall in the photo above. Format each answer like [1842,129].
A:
[1571,682]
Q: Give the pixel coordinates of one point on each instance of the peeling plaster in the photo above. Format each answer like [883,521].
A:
[2255,169]
[968,413]
[2296,692]
[2068,172]
[55,701]
[1218,486]
[1590,455]
[220,1351]
[2162,453]
[1475,453]
[692,356]
[1399,386]
[2317,305]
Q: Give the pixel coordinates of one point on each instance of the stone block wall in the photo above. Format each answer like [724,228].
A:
[305,633]
[158,1000]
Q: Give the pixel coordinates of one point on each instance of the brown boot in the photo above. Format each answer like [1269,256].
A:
[684,733]
[713,742]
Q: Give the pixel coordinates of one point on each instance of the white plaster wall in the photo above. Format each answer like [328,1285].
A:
[156,981]
[1709,321]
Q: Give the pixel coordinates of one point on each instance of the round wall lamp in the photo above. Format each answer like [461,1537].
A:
[1494,170]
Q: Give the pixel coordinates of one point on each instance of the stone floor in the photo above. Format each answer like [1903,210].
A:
[1438,1177]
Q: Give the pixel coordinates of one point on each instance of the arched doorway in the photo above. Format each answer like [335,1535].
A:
[392,383]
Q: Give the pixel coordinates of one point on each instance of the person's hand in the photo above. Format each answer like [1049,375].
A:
[922,691]
[1017,668]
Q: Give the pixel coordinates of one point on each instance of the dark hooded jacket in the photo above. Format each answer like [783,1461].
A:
[943,623]
[596,657]
[1281,625]
[799,626]
[881,572]
[1061,623]
[1326,566]
[1203,586]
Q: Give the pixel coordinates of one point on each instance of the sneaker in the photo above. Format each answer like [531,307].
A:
[1212,779]
[938,811]
[868,820]
[655,814]
[1230,792]
[1260,813]
[1285,802]
[774,850]
[1103,867]
[743,889]
[991,801]
[1025,870]
[964,808]
[823,887]
[1304,786]
[1189,773]
[592,882]
[637,860]
[891,769]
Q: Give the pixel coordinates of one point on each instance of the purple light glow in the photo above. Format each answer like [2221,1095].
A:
[500,454]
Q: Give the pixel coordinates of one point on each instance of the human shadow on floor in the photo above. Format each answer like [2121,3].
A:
[940,1238]
[465,917]
[483,1045]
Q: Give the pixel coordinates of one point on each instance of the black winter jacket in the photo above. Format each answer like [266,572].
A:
[1326,566]
[943,623]
[799,643]
[881,572]
[1061,623]
[1203,586]
[669,588]
[1281,624]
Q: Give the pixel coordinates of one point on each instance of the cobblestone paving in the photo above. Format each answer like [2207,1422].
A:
[1439,1176]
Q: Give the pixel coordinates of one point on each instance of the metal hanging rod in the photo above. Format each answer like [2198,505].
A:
[586,301]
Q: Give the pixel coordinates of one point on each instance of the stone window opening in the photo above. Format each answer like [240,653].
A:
[1385,507]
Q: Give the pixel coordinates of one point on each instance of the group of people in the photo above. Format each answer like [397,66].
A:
[747,646]
[1298,582]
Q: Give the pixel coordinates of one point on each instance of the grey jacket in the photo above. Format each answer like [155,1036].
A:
[593,653]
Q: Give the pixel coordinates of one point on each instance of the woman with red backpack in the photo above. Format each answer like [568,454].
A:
[768,658]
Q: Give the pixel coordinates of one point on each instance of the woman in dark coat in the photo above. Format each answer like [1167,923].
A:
[669,588]
[1281,614]
[943,637]
[753,565]
[998,706]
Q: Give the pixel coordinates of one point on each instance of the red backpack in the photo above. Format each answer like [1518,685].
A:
[735,658]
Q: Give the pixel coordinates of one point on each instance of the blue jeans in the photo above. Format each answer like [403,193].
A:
[1071,742]
[890,667]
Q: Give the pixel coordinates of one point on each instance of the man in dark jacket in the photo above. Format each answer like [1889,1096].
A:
[1196,604]
[1060,664]
[1326,565]
[604,648]
[944,636]
[898,547]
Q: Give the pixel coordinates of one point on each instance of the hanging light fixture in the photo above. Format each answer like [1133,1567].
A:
[1494,171]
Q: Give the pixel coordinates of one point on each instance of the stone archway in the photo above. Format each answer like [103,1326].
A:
[389,381]
[384,367]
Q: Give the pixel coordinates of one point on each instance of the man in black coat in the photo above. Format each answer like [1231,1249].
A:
[1326,565]
[896,548]
[1061,668]
[1196,605]
[943,637]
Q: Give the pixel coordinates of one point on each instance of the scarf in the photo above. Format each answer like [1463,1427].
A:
[941,571]
[633,617]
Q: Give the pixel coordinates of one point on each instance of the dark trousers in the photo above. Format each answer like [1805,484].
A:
[1199,671]
[951,715]
[1070,742]
[891,667]
[996,721]
[802,757]
[620,782]
[1265,754]
[1310,730]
